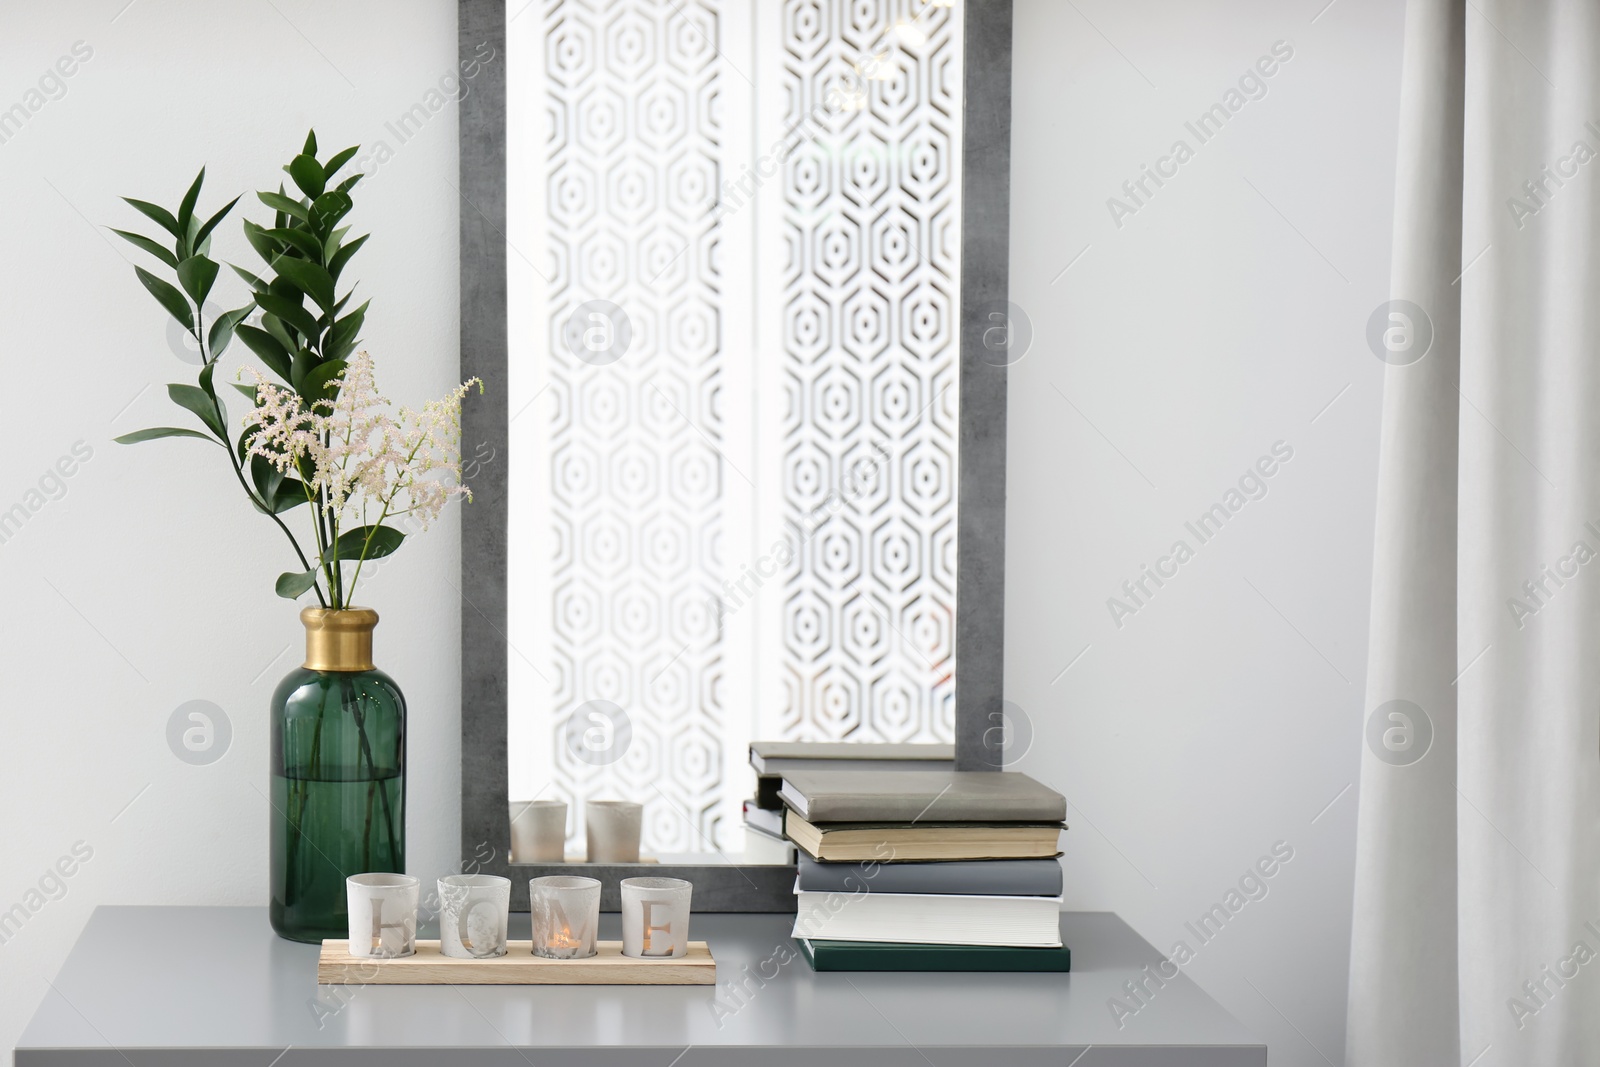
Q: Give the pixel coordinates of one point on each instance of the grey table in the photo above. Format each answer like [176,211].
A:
[151,986]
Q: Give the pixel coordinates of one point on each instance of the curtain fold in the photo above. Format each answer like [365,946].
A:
[1404,930]
[1476,935]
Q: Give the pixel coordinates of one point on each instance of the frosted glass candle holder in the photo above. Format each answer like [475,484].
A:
[612,828]
[538,831]
[383,915]
[655,917]
[474,912]
[566,916]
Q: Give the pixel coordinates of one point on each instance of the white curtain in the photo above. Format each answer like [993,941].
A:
[1477,906]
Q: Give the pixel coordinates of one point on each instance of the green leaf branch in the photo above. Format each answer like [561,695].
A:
[195,273]
[304,336]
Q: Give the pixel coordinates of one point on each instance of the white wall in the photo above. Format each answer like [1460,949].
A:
[150,582]
[1220,318]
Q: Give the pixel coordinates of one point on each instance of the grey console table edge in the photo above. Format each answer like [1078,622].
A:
[132,995]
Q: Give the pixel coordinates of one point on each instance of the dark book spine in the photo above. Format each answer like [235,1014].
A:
[857,956]
[767,786]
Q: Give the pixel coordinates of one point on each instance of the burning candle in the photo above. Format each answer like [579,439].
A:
[566,916]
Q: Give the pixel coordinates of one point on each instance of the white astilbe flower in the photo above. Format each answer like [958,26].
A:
[360,463]
[432,439]
[286,431]
[360,436]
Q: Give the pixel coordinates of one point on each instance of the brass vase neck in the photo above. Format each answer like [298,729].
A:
[339,639]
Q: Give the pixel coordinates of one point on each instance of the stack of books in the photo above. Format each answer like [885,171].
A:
[926,870]
[763,814]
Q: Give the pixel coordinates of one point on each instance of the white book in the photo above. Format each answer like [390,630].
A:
[929,919]
[780,757]
[763,849]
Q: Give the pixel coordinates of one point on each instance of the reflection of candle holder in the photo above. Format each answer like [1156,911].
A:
[613,828]
[383,915]
[538,831]
[566,916]
[655,917]
[473,915]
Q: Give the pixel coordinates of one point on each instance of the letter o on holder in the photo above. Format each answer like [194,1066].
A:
[473,915]
[464,930]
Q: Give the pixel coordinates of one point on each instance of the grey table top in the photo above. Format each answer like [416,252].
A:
[190,986]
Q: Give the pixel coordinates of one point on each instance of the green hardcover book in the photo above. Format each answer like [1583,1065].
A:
[884,956]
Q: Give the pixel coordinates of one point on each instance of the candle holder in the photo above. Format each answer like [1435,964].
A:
[566,916]
[383,915]
[538,831]
[655,917]
[473,915]
[612,828]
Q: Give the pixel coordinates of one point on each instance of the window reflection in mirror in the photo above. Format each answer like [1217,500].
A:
[733,429]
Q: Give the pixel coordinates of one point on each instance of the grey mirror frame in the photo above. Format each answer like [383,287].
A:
[981,484]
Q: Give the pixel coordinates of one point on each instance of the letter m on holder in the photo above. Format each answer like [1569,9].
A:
[578,932]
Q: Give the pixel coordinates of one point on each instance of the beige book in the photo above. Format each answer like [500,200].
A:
[905,842]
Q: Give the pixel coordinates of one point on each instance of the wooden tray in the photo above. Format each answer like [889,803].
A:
[519,966]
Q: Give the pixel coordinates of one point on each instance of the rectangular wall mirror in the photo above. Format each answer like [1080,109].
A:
[734,272]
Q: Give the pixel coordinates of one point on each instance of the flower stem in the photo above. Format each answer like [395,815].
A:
[365,545]
[322,543]
[238,472]
[354,704]
[313,770]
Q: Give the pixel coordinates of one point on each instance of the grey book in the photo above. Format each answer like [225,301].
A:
[921,797]
[768,822]
[999,878]
[781,757]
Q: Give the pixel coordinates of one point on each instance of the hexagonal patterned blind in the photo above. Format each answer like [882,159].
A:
[871,246]
[740,391]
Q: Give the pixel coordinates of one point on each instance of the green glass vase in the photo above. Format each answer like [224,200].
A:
[338,775]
